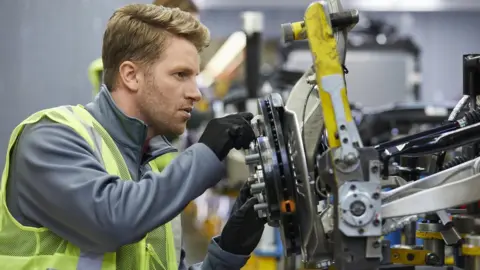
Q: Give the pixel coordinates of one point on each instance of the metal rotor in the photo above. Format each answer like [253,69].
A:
[272,177]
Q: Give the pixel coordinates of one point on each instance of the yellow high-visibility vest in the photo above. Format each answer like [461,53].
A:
[23,247]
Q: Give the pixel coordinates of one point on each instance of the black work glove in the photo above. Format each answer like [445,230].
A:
[244,228]
[232,131]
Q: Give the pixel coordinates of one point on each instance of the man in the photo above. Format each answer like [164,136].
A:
[95,70]
[81,187]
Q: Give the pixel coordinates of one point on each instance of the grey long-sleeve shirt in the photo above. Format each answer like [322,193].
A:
[56,182]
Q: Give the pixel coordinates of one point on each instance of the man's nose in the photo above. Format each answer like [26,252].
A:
[194,94]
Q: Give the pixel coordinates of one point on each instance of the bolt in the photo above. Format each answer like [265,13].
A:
[357,208]
[376,244]
[252,158]
[353,187]
[376,222]
[371,205]
[375,169]
[350,158]
[376,196]
[432,259]
[410,256]
[361,231]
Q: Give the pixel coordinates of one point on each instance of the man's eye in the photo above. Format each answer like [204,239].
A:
[181,75]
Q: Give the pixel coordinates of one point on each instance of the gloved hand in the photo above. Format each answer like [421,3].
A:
[232,131]
[244,228]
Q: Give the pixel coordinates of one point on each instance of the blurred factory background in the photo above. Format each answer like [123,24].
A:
[400,52]
[46,47]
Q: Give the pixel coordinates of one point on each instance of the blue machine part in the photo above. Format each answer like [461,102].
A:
[419,242]
[278,253]
[395,237]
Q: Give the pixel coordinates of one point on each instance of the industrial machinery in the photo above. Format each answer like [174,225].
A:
[317,182]
[383,65]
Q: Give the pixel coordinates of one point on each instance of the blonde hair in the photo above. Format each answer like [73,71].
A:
[185,5]
[140,33]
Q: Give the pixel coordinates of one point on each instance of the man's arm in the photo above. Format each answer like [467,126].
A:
[63,187]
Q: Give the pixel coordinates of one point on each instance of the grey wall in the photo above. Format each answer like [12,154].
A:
[45,50]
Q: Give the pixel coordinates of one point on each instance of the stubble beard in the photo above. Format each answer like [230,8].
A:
[150,106]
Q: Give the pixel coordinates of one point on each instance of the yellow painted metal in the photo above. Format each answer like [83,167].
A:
[469,250]
[429,235]
[212,226]
[261,263]
[299,30]
[409,256]
[327,64]
[449,260]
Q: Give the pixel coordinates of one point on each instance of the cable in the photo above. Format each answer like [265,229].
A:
[455,161]
[452,117]
[303,116]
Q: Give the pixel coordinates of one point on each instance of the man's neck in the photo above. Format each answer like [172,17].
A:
[125,103]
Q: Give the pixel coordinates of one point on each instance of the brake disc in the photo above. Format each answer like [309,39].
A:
[272,176]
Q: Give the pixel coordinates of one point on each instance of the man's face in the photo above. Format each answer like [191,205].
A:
[169,89]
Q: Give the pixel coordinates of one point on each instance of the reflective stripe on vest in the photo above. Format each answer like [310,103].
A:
[23,247]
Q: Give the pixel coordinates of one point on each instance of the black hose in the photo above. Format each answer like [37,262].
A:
[472,117]
[455,161]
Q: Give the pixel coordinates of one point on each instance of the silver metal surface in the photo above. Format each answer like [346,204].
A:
[444,216]
[358,208]
[309,115]
[350,251]
[435,246]
[451,175]
[472,263]
[252,158]
[430,227]
[374,248]
[439,191]
[393,224]
[393,181]
[314,244]
[473,240]
[451,236]
[410,233]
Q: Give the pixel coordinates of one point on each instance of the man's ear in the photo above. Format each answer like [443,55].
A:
[129,75]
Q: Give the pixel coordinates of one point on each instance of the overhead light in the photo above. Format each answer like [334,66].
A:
[381,39]
[400,5]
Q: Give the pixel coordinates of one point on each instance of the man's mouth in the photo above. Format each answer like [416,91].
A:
[188,110]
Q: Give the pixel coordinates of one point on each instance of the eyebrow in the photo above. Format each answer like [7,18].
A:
[185,68]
